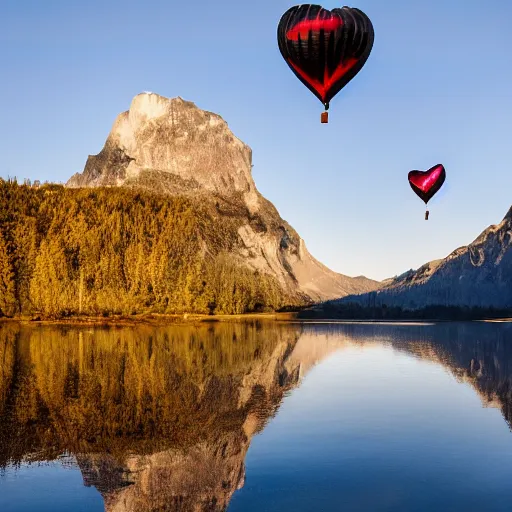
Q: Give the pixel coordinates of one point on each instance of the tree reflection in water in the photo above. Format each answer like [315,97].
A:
[161,418]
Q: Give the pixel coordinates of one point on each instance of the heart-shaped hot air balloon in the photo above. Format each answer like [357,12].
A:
[426,183]
[325,49]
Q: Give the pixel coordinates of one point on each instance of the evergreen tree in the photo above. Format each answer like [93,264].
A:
[7,283]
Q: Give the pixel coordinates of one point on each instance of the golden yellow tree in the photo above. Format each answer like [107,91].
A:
[7,285]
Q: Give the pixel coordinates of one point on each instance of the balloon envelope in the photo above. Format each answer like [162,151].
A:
[426,183]
[325,49]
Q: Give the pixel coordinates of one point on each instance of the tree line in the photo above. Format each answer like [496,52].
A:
[110,251]
[356,311]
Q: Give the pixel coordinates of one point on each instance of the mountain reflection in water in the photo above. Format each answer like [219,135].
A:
[161,418]
[157,418]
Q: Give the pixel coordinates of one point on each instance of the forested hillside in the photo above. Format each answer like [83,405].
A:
[109,251]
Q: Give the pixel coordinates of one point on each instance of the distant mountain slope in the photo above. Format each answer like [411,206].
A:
[478,275]
[170,146]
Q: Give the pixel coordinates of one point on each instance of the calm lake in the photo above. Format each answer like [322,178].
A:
[256,416]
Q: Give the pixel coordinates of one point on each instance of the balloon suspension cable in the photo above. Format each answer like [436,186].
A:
[426,213]
[324,118]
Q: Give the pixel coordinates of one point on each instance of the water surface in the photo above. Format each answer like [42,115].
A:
[256,416]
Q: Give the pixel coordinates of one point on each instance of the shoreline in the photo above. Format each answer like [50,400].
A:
[193,319]
[147,319]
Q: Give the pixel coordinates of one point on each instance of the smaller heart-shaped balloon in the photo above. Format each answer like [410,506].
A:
[426,183]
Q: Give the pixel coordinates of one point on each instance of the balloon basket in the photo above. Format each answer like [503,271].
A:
[324,117]
[426,215]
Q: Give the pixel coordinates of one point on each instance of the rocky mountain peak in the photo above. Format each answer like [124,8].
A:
[476,275]
[171,146]
[189,149]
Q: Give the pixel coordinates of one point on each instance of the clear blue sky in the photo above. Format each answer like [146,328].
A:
[436,89]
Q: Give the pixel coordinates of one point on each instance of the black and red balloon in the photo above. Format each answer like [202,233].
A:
[325,49]
[427,183]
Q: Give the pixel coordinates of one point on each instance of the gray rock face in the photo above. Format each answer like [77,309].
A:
[479,274]
[171,146]
[193,149]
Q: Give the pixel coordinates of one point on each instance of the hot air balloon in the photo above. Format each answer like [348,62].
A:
[426,183]
[325,49]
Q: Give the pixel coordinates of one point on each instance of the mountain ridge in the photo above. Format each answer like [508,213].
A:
[475,275]
[170,146]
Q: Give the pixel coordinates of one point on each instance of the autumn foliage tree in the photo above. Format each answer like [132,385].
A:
[7,289]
